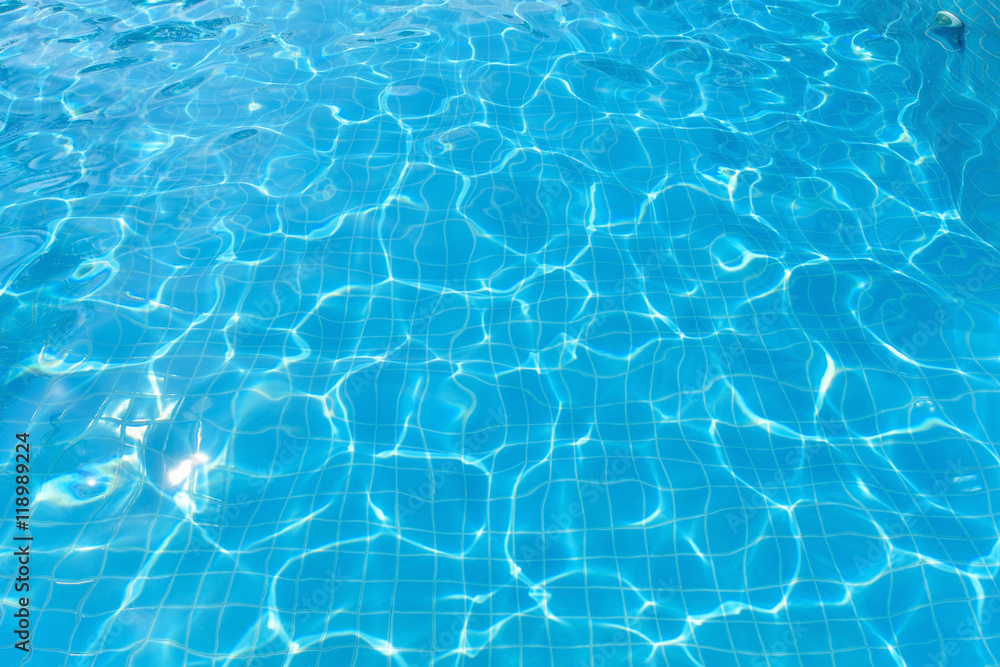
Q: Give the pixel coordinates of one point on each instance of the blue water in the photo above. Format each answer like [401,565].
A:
[488,333]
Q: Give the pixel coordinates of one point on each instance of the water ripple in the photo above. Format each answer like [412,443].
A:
[657,331]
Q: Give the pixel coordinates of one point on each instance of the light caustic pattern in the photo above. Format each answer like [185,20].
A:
[576,333]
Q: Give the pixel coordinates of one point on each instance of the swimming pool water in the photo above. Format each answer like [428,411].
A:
[499,333]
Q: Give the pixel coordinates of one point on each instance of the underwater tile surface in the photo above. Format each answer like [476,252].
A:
[498,333]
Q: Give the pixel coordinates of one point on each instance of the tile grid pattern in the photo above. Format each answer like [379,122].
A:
[521,334]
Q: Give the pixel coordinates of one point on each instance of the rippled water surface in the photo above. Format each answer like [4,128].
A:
[495,333]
